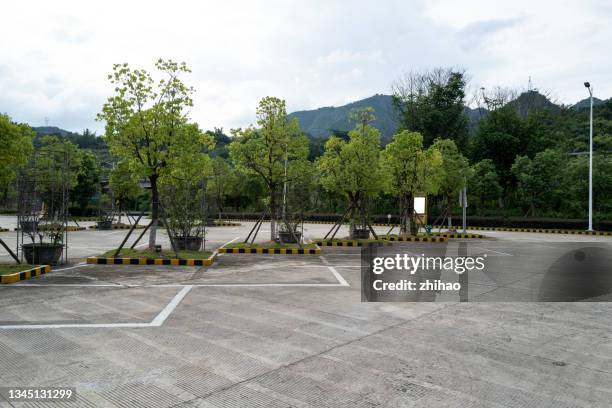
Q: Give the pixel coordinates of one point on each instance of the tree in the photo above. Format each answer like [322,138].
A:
[220,182]
[484,184]
[147,124]
[455,172]
[539,180]
[53,173]
[88,180]
[58,158]
[16,141]
[499,137]
[432,103]
[265,150]
[124,184]
[352,168]
[410,170]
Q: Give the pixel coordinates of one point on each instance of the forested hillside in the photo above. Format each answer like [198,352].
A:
[527,155]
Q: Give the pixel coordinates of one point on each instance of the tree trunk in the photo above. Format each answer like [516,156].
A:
[154,212]
[449,213]
[403,214]
[272,213]
[412,224]
[352,215]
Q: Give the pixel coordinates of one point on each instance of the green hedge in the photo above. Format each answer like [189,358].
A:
[533,222]
[474,221]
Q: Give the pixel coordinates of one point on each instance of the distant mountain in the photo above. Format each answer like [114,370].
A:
[530,101]
[50,130]
[86,140]
[320,123]
[586,103]
[474,116]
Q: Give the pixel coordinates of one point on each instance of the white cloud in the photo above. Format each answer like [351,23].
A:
[345,56]
[56,55]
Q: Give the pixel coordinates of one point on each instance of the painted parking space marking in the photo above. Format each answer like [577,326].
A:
[156,322]
[492,250]
[162,316]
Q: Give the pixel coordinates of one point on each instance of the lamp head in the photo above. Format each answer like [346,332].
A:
[587,85]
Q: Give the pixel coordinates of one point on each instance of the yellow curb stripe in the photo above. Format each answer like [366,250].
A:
[23,275]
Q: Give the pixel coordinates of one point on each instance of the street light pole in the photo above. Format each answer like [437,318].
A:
[588,86]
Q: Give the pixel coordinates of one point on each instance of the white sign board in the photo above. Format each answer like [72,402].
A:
[419,205]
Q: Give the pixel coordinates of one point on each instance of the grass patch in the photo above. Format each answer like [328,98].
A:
[419,235]
[268,245]
[145,253]
[8,269]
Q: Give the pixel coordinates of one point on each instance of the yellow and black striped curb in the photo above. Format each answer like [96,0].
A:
[4,230]
[318,222]
[118,227]
[458,235]
[226,224]
[151,261]
[415,239]
[349,243]
[23,275]
[271,251]
[540,230]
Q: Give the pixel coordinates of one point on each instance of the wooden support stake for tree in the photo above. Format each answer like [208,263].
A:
[391,229]
[338,223]
[260,220]
[75,221]
[293,234]
[372,231]
[257,230]
[126,237]
[141,234]
[9,251]
[172,243]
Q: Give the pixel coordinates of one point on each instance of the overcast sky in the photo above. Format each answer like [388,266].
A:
[55,55]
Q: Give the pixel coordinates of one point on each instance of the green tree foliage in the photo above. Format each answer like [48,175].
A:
[352,168]
[484,185]
[124,184]
[55,171]
[455,171]
[88,180]
[574,175]
[539,181]
[264,150]
[57,159]
[221,179]
[500,138]
[16,141]
[410,170]
[302,184]
[147,124]
[432,103]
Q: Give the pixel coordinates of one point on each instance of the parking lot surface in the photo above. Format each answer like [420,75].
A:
[283,331]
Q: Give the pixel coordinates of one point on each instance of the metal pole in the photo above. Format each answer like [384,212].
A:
[285,184]
[591,164]
[464,205]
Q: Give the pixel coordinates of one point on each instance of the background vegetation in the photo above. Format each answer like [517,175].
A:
[520,154]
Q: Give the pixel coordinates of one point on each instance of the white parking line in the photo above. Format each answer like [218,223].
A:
[341,281]
[156,322]
[491,250]
[339,277]
[333,270]
[79,265]
[163,315]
